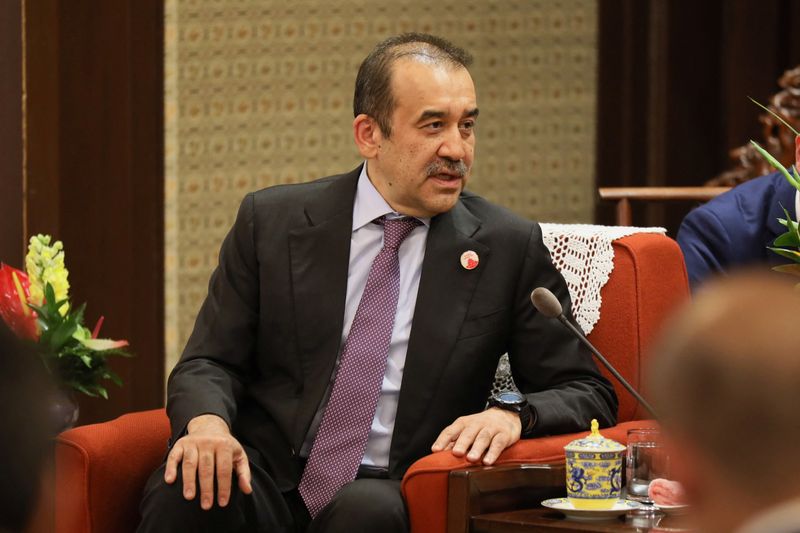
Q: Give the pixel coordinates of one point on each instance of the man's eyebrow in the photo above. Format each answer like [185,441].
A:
[431,113]
[434,113]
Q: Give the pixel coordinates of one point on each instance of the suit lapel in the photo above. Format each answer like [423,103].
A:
[320,256]
[445,290]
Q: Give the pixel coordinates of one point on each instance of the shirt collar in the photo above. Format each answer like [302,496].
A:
[370,205]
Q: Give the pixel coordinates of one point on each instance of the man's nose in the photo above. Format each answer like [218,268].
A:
[453,146]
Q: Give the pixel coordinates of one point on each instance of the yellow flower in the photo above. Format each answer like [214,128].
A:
[45,264]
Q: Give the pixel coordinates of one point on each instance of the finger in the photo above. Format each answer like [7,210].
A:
[499,443]
[174,457]
[205,473]
[447,436]
[480,444]
[465,440]
[242,466]
[189,470]
[224,466]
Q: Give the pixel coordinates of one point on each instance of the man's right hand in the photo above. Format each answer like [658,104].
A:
[208,447]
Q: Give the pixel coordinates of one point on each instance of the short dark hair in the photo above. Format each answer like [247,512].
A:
[373,93]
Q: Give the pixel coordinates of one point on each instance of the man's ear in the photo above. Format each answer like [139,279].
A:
[367,135]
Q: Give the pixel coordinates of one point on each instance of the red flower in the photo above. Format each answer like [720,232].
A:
[14,308]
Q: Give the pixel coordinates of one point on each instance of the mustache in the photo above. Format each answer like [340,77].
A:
[438,166]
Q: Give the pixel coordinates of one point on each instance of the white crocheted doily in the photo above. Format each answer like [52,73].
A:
[584,255]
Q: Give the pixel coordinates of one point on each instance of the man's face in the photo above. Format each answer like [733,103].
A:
[422,167]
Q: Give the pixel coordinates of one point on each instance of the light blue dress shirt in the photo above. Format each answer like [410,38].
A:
[365,243]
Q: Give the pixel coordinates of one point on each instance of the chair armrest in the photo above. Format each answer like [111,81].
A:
[101,469]
[426,485]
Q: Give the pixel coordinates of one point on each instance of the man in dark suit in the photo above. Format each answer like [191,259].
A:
[354,324]
[735,229]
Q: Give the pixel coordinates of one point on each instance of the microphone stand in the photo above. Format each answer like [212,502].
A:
[575,331]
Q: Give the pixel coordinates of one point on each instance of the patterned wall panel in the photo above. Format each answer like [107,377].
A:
[259,92]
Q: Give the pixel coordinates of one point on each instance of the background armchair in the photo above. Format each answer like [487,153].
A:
[100,469]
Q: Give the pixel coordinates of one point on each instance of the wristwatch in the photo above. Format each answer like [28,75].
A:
[515,402]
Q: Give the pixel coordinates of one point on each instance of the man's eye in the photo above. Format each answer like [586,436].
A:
[436,125]
[467,125]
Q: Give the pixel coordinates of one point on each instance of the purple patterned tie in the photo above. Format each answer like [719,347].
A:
[342,436]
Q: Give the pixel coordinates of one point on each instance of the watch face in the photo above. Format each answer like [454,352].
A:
[510,397]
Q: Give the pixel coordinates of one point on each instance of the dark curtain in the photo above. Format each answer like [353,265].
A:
[674,77]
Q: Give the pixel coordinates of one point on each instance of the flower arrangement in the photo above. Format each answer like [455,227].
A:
[36,306]
[787,244]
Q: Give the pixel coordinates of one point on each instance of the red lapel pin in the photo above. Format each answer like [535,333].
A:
[469,260]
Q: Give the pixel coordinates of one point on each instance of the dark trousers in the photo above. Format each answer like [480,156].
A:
[368,504]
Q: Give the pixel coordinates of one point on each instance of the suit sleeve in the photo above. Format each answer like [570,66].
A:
[210,376]
[705,244]
[555,372]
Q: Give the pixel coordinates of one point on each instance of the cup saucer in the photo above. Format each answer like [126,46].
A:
[673,509]
[563,505]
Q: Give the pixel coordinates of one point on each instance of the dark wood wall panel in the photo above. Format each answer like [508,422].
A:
[674,77]
[96,147]
[42,119]
[11,239]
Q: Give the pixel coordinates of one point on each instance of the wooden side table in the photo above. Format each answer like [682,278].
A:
[507,499]
[547,520]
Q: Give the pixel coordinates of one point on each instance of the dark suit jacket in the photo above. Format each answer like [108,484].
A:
[266,338]
[735,228]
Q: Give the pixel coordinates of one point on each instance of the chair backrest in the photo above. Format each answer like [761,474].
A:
[648,282]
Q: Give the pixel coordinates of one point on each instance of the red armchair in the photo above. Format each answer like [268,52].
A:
[100,469]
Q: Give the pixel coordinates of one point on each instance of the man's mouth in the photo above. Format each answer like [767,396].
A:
[448,182]
[444,176]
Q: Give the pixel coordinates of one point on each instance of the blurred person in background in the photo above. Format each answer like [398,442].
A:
[726,380]
[24,394]
[734,229]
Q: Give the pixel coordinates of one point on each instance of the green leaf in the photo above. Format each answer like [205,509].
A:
[80,388]
[787,239]
[777,165]
[114,377]
[774,114]
[788,254]
[792,236]
[49,294]
[793,269]
[63,332]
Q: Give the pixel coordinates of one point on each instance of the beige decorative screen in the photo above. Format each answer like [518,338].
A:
[259,92]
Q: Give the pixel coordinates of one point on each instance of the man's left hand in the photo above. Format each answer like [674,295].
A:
[491,431]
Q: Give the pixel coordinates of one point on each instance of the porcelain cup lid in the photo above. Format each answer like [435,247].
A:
[594,442]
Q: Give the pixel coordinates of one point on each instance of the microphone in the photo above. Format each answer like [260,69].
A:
[546,303]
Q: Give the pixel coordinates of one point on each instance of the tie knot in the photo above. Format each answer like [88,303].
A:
[396,230]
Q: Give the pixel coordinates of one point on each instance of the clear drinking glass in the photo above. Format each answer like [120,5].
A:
[646,459]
